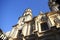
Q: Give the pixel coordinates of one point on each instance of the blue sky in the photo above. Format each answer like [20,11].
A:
[11,10]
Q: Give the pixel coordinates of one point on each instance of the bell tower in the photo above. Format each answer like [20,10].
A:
[27,14]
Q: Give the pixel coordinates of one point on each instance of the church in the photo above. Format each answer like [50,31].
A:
[45,26]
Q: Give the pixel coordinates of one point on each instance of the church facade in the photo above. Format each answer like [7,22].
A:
[45,26]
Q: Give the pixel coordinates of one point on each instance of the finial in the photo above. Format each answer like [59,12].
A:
[28,10]
[41,12]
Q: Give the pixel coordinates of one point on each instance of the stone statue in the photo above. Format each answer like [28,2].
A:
[54,5]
